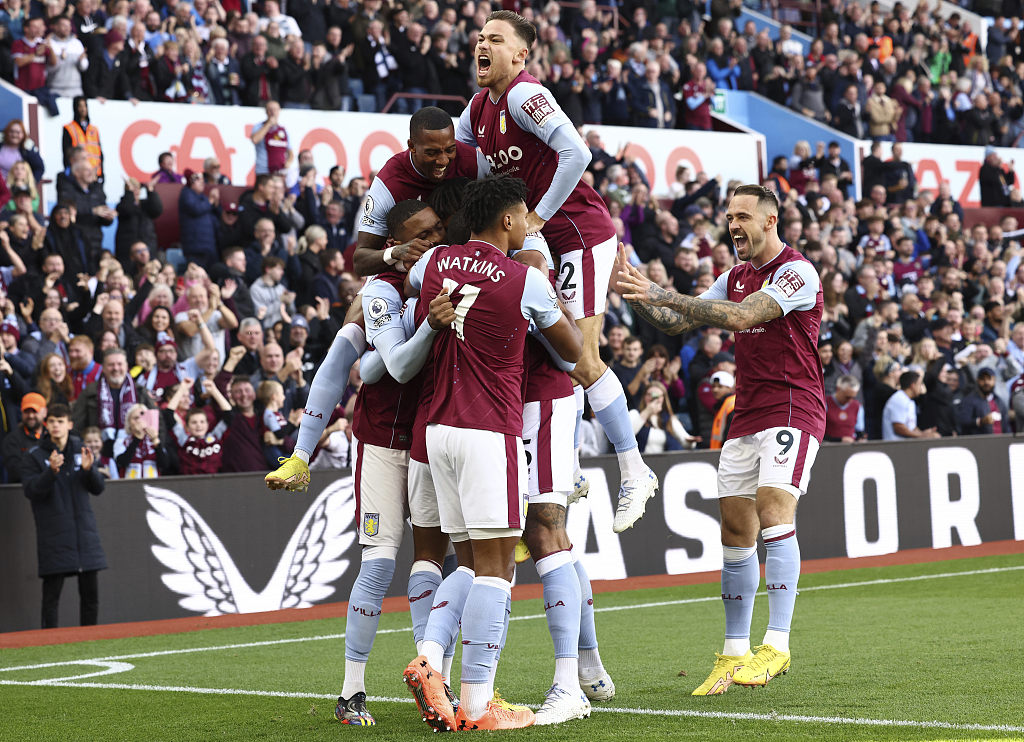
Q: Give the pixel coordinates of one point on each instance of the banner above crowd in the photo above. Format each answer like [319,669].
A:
[134,136]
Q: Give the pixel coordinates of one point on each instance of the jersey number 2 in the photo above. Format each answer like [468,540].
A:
[469,294]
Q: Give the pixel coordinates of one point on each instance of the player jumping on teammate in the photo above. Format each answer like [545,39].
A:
[773,302]
[522,132]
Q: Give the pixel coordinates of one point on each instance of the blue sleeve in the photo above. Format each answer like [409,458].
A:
[539,301]
[404,349]
[418,269]
[382,310]
[534,110]
[371,367]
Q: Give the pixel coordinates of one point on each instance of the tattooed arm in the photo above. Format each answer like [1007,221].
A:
[675,313]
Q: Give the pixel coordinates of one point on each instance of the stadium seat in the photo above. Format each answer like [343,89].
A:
[176,258]
[366,103]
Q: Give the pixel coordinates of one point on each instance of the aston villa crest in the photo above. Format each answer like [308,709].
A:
[501,122]
[371,523]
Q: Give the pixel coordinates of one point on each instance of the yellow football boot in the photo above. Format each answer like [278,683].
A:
[292,475]
[768,663]
[723,674]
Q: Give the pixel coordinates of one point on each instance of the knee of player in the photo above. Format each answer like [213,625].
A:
[739,534]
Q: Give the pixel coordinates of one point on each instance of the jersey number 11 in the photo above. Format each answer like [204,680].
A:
[469,294]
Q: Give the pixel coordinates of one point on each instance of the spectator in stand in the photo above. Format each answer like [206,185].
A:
[723,387]
[982,412]
[243,445]
[224,74]
[416,68]
[138,449]
[656,428]
[52,380]
[83,368]
[138,208]
[81,132]
[201,449]
[938,406]
[25,436]
[15,146]
[899,418]
[631,372]
[697,99]
[271,298]
[85,193]
[327,284]
[212,174]
[64,76]
[296,76]
[265,202]
[51,337]
[273,155]
[260,74]
[198,216]
[165,172]
[213,315]
[32,54]
[330,78]
[843,421]
[381,75]
[105,403]
[994,180]
[107,75]
[58,478]
[651,100]
[138,60]
[900,181]
[883,113]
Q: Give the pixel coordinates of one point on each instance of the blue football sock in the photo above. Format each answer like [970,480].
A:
[562,598]
[740,577]
[424,579]
[588,631]
[329,385]
[446,613]
[608,401]
[781,574]
[483,624]
[364,604]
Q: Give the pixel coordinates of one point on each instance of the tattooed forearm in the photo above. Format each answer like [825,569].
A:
[728,315]
[666,320]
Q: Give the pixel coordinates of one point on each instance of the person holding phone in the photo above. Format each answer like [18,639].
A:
[656,428]
[138,450]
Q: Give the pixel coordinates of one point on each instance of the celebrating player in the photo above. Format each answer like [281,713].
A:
[433,157]
[382,436]
[474,428]
[773,302]
[522,132]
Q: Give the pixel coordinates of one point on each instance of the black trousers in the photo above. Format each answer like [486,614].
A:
[88,597]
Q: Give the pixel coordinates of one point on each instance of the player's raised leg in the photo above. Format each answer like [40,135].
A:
[583,284]
[325,393]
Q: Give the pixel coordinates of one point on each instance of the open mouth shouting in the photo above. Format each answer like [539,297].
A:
[740,241]
[483,65]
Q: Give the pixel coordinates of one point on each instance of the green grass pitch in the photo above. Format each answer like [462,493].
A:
[918,652]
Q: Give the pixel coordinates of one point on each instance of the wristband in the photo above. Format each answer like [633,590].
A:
[389,257]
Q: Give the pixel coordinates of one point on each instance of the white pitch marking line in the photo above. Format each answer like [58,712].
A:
[604,609]
[737,716]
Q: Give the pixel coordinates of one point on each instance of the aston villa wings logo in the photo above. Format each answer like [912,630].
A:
[203,572]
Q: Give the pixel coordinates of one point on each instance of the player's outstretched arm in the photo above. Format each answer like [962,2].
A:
[675,313]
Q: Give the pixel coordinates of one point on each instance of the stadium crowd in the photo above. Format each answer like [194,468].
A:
[198,359]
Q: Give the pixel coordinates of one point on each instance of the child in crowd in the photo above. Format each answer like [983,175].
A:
[138,450]
[199,448]
[92,438]
[276,428]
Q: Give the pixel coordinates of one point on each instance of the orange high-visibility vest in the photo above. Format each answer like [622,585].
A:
[724,411]
[90,140]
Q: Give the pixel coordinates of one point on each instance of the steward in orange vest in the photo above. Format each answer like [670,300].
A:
[723,385]
[80,133]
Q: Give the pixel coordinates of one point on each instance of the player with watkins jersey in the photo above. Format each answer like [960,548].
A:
[474,429]
[381,437]
[773,302]
[523,133]
[433,157]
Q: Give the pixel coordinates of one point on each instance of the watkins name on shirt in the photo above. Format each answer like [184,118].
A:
[471,265]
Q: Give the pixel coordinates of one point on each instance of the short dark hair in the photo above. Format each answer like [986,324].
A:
[58,410]
[271,261]
[429,118]
[261,179]
[630,339]
[193,412]
[448,196]
[401,212]
[525,30]
[765,197]
[908,379]
[239,379]
[327,256]
[487,198]
[457,232]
